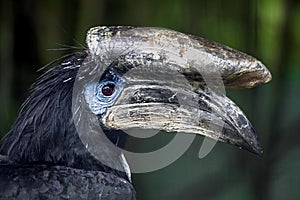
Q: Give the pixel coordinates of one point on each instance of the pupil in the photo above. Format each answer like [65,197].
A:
[108,89]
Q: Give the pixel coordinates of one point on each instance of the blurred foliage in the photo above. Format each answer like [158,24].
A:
[267,29]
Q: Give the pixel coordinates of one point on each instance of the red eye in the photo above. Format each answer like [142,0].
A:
[108,89]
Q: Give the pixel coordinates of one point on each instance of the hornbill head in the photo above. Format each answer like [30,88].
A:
[128,78]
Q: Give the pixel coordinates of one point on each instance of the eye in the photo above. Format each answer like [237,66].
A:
[108,89]
[101,95]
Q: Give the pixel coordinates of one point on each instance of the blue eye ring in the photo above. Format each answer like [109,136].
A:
[101,95]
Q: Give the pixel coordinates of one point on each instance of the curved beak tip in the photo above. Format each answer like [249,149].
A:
[252,146]
[266,75]
[257,149]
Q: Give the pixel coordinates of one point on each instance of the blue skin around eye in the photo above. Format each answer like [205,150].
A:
[98,102]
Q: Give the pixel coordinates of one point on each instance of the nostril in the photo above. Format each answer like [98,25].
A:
[258,65]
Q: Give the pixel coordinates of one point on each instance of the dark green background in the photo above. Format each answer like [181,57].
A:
[267,29]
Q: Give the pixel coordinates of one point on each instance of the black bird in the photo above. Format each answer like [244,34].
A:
[64,142]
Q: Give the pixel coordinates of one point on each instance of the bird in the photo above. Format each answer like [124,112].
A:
[67,140]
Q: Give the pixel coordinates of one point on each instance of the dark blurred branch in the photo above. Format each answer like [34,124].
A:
[263,178]
[25,52]
[289,141]
[6,64]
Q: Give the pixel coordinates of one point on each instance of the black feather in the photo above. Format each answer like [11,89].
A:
[44,131]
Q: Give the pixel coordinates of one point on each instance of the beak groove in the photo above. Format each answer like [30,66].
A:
[171,110]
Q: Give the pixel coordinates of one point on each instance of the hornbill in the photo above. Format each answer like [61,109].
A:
[128,77]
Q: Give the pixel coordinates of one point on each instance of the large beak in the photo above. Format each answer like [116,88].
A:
[158,100]
[170,92]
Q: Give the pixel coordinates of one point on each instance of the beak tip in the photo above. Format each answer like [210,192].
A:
[257,74]
[258,151]
[250,141]
[254,148]
[266,75]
